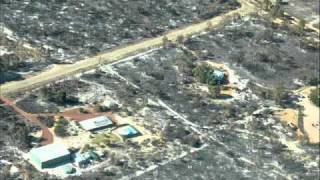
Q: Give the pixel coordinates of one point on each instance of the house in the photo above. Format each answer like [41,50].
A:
[126,131]
[96,124]
[48,156]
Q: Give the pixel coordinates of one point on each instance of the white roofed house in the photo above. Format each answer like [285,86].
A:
[96,124]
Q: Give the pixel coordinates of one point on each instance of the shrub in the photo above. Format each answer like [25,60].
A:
[61,128]
[315,96]
[100,108]
[58,96]
[47,120]
[205,74]
[314,81]
[83,111]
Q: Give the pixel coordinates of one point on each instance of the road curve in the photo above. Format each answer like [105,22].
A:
[61,71]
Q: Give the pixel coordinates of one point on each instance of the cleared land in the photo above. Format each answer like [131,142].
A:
[312,117]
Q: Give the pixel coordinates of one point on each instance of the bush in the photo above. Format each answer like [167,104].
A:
[205,74]
[100,108]
[61,128]
[314,81]
[83,111]
[58,96]
[315,96]
[47,120]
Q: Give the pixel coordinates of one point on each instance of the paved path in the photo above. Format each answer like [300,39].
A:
[61,71]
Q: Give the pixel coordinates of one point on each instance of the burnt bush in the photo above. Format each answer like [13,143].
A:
[60,97]
[47,120]
[13,130]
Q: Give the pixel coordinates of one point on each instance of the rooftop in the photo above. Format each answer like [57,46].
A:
[49,152]
[95,123]
[126,131]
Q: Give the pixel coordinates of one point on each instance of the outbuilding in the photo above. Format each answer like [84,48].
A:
[48,156]
[127,131]
[96,124]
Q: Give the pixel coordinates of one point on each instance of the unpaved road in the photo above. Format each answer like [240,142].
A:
[46,134]
[312,116]
[61,71]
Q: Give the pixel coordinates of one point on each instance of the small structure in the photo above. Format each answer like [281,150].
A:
[126,131]
[219,76]
[68,169]
[51,155]
[81,160]
[96,124]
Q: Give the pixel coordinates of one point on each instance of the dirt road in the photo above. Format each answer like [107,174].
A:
[61,71]
[312,116]
[32,118]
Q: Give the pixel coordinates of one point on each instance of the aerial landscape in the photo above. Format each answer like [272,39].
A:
[159,89]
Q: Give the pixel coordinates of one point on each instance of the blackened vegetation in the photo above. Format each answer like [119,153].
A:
[86,27]
[273,54]
[47,120]
[175,68]
[49,98]
[14,131]
[58,95]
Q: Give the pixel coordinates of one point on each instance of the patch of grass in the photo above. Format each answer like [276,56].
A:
[105,139]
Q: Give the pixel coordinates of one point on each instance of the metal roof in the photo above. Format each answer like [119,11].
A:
[95,123]
[126,131]
[49,152]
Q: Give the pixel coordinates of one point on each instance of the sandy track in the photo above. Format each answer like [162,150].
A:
[312,116]
[61,71]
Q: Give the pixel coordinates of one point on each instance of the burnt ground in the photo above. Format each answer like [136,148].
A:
[308,9]
[14,130]
[70,30]
[273,55]
[14,138]
[242,143]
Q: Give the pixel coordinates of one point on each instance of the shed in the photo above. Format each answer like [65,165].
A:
[51,155]
[127,131]
[219,76]
[97,123]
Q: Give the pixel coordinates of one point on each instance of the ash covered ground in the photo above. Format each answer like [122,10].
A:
[244,139]
[241,136]
[67,31]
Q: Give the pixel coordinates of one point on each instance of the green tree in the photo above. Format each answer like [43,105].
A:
[205,74]
[61,127]
[315,96]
